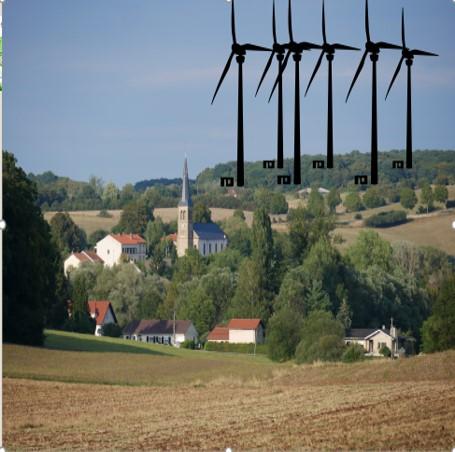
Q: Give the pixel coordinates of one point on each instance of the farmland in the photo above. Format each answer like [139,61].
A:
[213,401]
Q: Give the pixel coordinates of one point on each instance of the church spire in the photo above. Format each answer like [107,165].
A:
[186,196]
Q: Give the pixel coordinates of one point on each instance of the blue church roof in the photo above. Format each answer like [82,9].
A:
[209,231]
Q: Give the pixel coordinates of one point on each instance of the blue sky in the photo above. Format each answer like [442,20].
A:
[122,90]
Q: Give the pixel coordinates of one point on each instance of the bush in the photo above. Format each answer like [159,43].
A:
[450,203]
[283,334]
[353,353]
[190,344]
[385,351]
[111,330]
[358,216]
[322,338]
[80,323]
[386,219]
[235,348]
[104,214]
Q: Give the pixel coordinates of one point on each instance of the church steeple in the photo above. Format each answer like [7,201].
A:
[186,196]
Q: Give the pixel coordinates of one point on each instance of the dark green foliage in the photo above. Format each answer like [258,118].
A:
[450,203]
[189,344]
[441,194]
[353,203]
[353,353]
[238,213]
[111,330]
[427,196]
[201,213]
[438,331]
[271,201]
[333,200]
[373,198]
[321,339]
[80,322]
[134,217]
[283,334]
[33,282]
[358,216]
[103,213]
[386,219]
[260,349]
[385,351]
[67,235]
[96,236]
[408,198]
[344,315]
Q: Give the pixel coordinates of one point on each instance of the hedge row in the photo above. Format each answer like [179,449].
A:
[386,219]
[235,348]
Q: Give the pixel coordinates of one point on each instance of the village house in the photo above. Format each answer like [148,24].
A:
[207,238]
[115,247]
[373,339]
[102,312]
[74,260]
[154,331]
[239,331]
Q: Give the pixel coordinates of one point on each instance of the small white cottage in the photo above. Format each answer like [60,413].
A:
[103,312]
[74,260]
[239,331]
[131,246]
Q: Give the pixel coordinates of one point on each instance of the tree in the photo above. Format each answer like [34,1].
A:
[154,232]
[353,203]
[372,198]
[441,194]
[238,213]
[67,235]
[321,338]
[134,217]
[111,195]
[438,331]
[408,198]
[283,334]
[370,250]
[427,196]
[96,236]
[344,315]
[32,265]
[201,213]
[316,205]
[333,200]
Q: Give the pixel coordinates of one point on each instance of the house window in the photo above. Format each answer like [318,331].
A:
[210,248]
[221,247]
[216,247]
[203,250]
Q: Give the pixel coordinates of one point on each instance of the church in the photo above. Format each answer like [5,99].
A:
[207,238]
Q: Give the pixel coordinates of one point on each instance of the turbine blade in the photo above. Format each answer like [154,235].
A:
[343,47]
[275,40]
[395,75]
[324,36]
[267,67]
[423,53]
[367,22]
[225,71]
[291,35]
[234,39]
[283,67]
[403,32]
[318,64]
[255,48]
[304,45]
[387,45]
[359,70]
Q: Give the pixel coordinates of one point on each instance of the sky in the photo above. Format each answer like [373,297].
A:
[122,89]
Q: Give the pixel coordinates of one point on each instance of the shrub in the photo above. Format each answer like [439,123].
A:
[385,351]
[235,348]
[358,216]
[190,344]
[80,323]
[353,353]
[386,219]
[104,214]
[322,338]
[111,330]
[450,203]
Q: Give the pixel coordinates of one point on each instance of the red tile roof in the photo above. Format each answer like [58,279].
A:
[128,239]
[219,333]
[172,237]
[99,309]
[88,256]
[244,324]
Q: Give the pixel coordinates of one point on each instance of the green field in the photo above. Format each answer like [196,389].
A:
[80,392]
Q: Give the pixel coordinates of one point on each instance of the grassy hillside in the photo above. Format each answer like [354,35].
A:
[180,399]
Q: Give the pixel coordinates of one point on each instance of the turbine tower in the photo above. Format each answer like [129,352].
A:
[329,51]
[239,51]
[408,56]
[373,49]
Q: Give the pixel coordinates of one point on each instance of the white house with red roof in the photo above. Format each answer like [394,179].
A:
[102,312]
[114,246]
[75,259]
[239,331]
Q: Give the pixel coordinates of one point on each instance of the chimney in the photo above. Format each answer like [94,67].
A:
[383,327]
[393,330]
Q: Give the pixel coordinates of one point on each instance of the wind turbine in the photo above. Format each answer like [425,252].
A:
[373,49]
[329,51]
[239,51]
[296,48]
[408,56]
[279,50]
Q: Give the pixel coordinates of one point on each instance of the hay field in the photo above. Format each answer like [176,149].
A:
[381,404]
